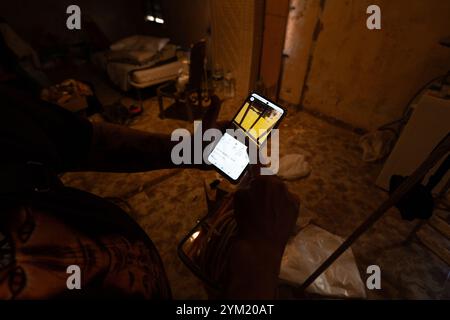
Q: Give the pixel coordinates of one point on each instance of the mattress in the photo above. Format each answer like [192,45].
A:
[121,73]
[153,75]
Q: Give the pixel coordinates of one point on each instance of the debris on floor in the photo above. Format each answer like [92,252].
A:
[293,166]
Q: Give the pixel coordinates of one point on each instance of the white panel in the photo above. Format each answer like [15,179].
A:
[429,123]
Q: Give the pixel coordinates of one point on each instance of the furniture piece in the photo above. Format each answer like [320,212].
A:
[427,125]
[144,78]
[194,94]
[138,66]
[434,233]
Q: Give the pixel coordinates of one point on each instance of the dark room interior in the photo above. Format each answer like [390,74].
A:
[362,144]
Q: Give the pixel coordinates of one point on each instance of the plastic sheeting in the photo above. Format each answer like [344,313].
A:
[376,145]
[307,250]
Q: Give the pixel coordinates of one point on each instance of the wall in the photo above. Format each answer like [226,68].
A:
[275,20]
[364,77]
[302,21]
[186,21]
[235,38]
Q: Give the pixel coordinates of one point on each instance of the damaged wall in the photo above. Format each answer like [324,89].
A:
[275,19]
[366,77]
[302,21]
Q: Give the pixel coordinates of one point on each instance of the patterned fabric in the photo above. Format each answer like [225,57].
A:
[42,234]
[41,241]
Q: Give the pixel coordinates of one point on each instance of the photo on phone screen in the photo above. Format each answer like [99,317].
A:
[256,119]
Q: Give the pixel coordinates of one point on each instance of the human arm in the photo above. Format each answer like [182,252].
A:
[265,213]
[117,148]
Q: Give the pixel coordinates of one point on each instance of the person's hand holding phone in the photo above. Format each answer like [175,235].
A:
[249,130]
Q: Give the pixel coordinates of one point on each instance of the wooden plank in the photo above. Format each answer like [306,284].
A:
[272,52]
[435,242]
[440,225]
[302,21]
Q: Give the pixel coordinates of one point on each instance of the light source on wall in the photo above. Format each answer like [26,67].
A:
[153,11]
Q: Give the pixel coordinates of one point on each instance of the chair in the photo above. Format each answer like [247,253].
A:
[194,93]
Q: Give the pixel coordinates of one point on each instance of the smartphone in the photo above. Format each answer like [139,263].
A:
[257,117]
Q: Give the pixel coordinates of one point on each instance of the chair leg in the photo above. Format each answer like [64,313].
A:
[141,103]
[189,110]
[161,106]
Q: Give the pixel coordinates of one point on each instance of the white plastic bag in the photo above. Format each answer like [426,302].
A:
[307,250]
[292,166]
